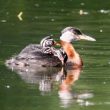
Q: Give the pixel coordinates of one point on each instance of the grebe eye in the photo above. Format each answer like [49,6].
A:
[77,32]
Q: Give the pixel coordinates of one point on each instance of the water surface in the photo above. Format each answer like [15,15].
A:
[41,18]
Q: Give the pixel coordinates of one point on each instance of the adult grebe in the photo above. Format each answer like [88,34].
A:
[43,54]
[68,35]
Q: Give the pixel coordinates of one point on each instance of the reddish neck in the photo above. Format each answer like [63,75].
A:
[73,56]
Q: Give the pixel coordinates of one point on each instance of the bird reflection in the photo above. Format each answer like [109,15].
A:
[49,78]
[66,94]
[65,88]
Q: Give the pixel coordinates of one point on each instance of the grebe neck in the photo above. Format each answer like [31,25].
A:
[73,56]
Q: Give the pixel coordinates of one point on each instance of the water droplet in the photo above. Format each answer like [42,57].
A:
[104,82]
[104,11]
[3,21]
[101,30]
[52,19]
[82,4]
[81,12]
[37,5]
[7,86]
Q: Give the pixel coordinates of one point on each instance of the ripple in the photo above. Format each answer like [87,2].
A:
[3,21]
[85,96]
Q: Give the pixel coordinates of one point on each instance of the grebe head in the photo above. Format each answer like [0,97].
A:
[47,42]
[70,34]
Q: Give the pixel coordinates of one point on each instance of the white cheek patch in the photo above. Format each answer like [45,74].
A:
[67,36]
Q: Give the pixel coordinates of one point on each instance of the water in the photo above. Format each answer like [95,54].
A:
[89,87]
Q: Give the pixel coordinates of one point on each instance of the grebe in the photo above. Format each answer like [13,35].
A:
[68,35]
[48,44]
[45,55]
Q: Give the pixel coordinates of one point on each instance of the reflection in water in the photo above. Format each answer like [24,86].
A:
[65,92]
[45,85]
[46,77]
[66,95]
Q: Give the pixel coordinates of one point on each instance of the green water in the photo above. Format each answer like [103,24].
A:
[45,17]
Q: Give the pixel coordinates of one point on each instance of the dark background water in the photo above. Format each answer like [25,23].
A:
[48,17]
